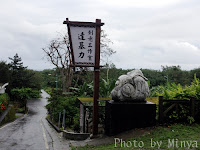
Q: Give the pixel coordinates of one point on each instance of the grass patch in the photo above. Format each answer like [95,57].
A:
[184,136]
[90,99]
[153,100]
[20,110]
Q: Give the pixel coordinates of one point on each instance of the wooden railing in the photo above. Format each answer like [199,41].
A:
[174,104]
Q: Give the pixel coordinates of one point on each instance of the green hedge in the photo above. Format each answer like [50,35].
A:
[24,93]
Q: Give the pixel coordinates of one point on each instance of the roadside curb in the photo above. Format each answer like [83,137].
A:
[14,120]
[75,136]
[104,139]
[70,135]
[54,126]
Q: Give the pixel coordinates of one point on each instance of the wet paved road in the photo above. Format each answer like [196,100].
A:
[32,132]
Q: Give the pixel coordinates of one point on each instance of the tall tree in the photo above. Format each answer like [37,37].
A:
[155,77]
[49,77]
[17,72]
[32,79]
[4,72]
[175,74]
[195,71]
[21,76]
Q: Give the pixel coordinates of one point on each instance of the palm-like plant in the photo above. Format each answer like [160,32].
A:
[106,86]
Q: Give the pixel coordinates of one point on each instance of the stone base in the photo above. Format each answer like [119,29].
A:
[123,116]
[75,136]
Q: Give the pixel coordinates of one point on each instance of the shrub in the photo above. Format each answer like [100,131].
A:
[57,103]
[24,93]
[48,90]
[33,93]
[21,95]
[176,91]
[4,101]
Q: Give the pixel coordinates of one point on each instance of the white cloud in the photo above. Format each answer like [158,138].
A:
[146,34]
[140,3]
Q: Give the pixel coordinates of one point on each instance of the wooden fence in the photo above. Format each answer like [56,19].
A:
[174,104]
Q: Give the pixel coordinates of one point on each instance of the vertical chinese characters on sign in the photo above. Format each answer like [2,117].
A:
[83,43]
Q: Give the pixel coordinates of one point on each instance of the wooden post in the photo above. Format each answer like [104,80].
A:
[25,106]
[59,119]
[63,123]
[96,79]
[84,116]
[53,115]
[192,107]
[161,115]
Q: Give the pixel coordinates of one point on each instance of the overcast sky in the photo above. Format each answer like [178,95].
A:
[145,33]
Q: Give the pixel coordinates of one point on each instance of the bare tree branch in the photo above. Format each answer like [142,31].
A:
[60,57]
[58,52]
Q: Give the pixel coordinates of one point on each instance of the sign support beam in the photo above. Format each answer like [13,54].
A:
[96,80]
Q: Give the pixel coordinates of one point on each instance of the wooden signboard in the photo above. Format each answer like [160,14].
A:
[84,40]
[83,43]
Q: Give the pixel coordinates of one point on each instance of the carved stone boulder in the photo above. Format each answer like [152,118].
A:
[131,87]
[3,88]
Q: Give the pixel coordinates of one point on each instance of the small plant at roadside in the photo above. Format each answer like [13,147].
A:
[62,128]
[190,120]
[20,110]
[4,101]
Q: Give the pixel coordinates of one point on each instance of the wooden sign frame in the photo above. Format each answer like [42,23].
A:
[96,65]
[97,25]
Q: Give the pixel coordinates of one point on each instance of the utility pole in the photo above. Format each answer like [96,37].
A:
[166,78]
